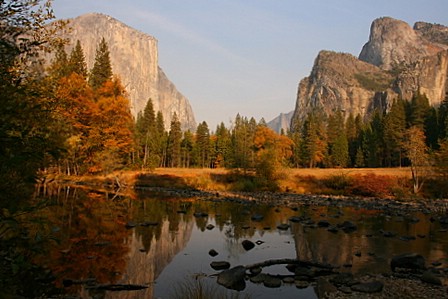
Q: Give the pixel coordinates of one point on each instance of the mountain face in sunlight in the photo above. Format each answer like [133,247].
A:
[397,61]
[134,58]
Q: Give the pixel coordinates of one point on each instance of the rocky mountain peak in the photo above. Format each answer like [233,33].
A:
[397,61]
[392,42]
[134,58]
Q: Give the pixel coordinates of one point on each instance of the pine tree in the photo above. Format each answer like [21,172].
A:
[394,129]
[337,140]
[59,65]
[148,137]
[314,139]
[203,144]
[77,61]
[102,69]
[187,146]
[174,142]
[222,146]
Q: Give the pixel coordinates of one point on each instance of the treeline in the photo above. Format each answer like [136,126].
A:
[382,140]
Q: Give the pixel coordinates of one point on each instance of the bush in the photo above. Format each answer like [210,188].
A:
[373,185]
[338,182]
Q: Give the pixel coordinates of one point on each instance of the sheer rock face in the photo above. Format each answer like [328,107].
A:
[396,61]
[134,58]
[336,83]
[281,122]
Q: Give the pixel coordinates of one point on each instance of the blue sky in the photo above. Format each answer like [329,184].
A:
[247,56]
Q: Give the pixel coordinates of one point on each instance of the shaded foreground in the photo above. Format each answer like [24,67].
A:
[163,230]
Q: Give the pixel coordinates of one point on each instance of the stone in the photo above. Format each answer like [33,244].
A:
[295,219]
[348,226]
[283,226]
[220,265]
[213,253]
[248,245]
[272,282]
[343,279]
[130,225]
[233,278]
[210,226]
[411,261]
[368,287]
[323,223]
[255,271]
[259,278]
[432,278]
[288,279]
[324,288]
[257,217]
[300,284]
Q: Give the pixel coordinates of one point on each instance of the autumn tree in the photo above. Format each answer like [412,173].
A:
[417,153]
[102,69]
[28,130]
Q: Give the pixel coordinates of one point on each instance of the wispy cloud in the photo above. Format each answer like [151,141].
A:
[183,32]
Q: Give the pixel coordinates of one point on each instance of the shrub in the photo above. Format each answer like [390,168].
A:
[338,182]
[373,185]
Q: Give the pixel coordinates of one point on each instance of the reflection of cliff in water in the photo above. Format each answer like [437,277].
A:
[145,263]
[366,249]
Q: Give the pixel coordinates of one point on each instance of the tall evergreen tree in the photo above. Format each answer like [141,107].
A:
[187,146]
[203,144]
[59,65]
[314,139]
[222,146]
[174,142]
[102,69]
[337,140]
[77,61]
[374,141]
[148,137]
[394,131]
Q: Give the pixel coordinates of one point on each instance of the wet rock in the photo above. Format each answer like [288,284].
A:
[388,234]
[332,229]
[412,261]
[345,290]
[324,288]
[406,238]
[149,223]
[432,278]
[358,253]
[130,225]
[295,219]
[300,284]
[210,226]
[304,271]
[181,212]
[259,278]
[323,223]
[288,279]
[443,220]
[348,227]
[257,217]
[233,278]
[220,265]
[343,279]
[255,271]
[245,226]
[259,242]
[368,287]
[283,226]
[213,253]
[272,282]
[247,245]
[200,215]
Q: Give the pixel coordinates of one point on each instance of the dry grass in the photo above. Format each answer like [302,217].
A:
[334,181]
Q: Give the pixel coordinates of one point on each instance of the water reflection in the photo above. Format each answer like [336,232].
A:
[172,237]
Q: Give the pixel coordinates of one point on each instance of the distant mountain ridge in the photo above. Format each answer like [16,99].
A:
[134,58]
[281,122]
[397,61]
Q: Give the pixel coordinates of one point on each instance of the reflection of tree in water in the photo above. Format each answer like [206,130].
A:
[90,232]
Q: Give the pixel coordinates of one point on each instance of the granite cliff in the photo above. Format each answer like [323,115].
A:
[281,122]
[134,58]
[398,60]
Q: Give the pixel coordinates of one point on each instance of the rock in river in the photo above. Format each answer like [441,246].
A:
[412,261]
[248,245]
[220,265]
[368,287]
[233,278]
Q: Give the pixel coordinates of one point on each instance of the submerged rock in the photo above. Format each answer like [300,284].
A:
[233,278]
[411,261]
[213,253]
[368,287]
[220,265]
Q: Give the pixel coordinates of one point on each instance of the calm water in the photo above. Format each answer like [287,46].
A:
[169,253]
